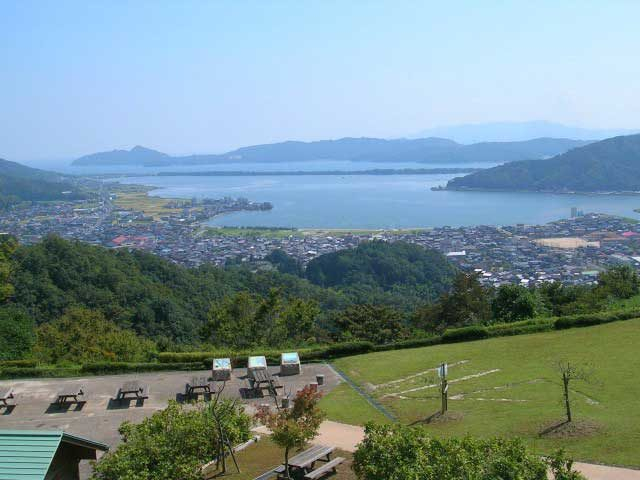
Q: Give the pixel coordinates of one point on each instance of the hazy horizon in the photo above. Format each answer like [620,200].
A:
[199,77]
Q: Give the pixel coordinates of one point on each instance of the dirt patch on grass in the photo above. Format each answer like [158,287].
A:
[438,418]
[575,429]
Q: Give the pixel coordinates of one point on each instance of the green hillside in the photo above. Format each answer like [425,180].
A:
[609,165]
[511,386]
[21,183]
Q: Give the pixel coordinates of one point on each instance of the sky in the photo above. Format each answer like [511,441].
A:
[185,77]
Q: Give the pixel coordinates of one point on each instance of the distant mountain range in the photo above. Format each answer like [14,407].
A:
[518,131]
[19,183]
[423,150]
[611,165]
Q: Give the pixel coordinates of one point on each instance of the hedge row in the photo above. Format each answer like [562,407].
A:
[239,358]
[588,319]
[473,332]
[38,372]
[102,368]
[18,363]
[521,327]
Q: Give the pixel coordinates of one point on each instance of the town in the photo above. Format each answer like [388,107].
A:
[571,251]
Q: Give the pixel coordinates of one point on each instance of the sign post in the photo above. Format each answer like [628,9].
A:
[444,387]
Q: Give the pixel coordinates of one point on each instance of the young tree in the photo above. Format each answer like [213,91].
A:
[293,428]
[571,372]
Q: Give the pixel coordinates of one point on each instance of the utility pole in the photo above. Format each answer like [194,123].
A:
[444,388]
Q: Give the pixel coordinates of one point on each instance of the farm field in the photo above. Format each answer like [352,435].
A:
[142,201]
[511,386]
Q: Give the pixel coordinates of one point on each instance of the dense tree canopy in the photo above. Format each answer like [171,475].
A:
[173,443]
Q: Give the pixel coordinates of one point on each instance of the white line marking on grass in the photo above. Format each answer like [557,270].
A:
[434,385]
[415,375]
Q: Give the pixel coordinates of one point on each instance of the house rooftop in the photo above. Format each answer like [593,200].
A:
[28,454]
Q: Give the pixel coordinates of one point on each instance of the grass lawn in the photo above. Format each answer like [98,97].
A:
[264,455]
[343,404]
[510,386]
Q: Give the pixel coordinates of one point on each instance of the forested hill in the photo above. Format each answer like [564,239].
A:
[19,183]
[159,299]
[423,150]
[606,166]
[383,264]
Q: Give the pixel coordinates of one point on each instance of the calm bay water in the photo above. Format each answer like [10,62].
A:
[371,202]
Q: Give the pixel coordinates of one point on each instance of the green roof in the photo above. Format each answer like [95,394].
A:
[27,454]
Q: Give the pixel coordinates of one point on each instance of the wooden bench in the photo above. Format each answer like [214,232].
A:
[271,473]
[330,466]
[5,396]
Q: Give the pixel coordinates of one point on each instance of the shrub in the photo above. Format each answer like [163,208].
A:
[588,319]
[175,442]
[38,372]
[19,363]
[101,368]
[519,328]
[474,332]
[415,343]
[399,452]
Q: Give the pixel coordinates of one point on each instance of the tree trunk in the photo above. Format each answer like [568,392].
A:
[567,403]
[286,463]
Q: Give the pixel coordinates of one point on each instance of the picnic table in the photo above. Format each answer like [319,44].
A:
[198,385]
[307,459]
[263,379]
[132,389]
[70,395]
[303,464]
[5,395]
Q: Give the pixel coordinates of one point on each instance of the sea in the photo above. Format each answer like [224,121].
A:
[361,201]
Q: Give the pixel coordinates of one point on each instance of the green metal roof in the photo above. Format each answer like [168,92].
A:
[27,454]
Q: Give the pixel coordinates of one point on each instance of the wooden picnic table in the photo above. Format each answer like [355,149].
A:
[306,460]
[5,396]
[70,395]
[263,379]
[198,385]
[303,464]
[131,389]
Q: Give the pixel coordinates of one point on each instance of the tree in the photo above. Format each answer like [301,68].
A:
[375,323]
[8,246]
[398,452]
[293,428]
[621,281]
[466,304]
[513,303]
[173,443]
[17,334]
[83,335]
[284,262]
[569,373]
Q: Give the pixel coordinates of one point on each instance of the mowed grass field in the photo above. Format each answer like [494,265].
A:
[511,386]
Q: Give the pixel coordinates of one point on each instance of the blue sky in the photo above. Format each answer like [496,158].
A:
[205,76]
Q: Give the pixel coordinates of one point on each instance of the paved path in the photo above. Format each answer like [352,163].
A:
[347,437]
